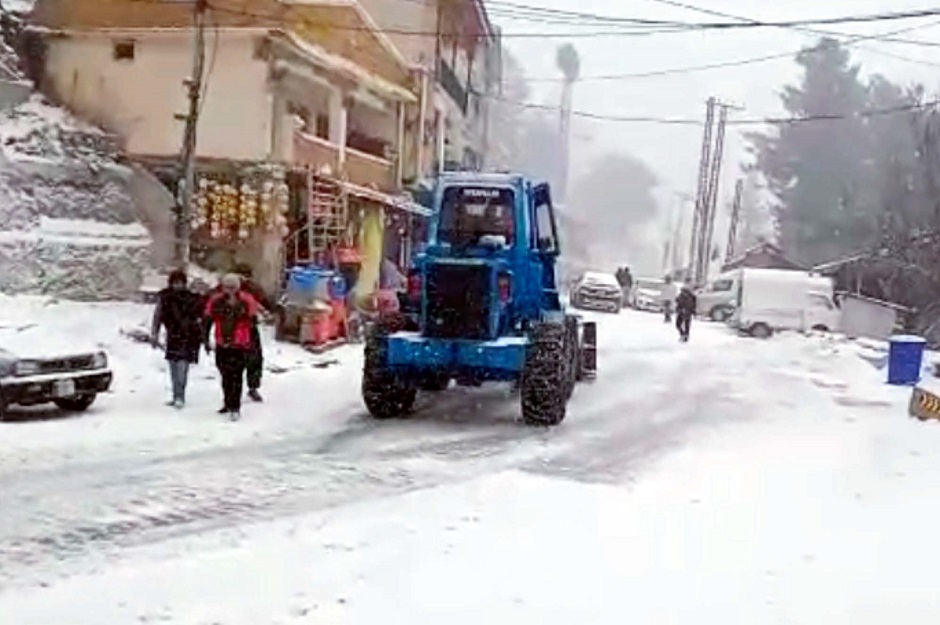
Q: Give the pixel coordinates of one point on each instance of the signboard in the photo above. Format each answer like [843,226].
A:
[924,405]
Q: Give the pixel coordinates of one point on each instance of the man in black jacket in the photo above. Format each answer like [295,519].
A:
[255,363]
[685,309]
[179,311]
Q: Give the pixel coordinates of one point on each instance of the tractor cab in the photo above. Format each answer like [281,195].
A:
[493,239]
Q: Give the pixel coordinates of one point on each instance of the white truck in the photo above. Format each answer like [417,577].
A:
[780,299]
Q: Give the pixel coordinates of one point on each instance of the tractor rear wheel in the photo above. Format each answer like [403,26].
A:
[544,387]
[385,394]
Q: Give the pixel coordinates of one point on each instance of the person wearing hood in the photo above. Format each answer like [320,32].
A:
[179,312]
[254,365]
[232,312]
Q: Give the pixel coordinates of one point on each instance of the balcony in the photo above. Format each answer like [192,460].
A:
[361,168]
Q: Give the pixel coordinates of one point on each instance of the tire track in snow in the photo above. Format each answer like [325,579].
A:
[56,523]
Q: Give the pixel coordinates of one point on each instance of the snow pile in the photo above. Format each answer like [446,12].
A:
[69,227]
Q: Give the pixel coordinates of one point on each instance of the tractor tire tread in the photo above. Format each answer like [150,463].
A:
[544,385]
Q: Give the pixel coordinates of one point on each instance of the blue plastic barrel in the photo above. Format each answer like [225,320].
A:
[302,280]
[905,359]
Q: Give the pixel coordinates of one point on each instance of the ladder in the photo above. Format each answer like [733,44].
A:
[326,215]
[321,222]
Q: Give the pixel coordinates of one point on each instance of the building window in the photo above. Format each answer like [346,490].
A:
[124,50]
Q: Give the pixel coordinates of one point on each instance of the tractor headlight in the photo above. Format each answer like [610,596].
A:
[26,367]
[99,360]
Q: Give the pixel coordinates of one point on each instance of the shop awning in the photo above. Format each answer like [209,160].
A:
[401,203]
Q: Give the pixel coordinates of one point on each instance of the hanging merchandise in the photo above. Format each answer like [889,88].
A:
[233,206]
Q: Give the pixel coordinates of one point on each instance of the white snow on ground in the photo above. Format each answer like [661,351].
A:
[132,420]
[820,507]
[19,6]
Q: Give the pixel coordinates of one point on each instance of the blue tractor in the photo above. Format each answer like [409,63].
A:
[482,305]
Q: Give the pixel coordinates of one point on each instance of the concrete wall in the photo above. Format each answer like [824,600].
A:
[138,99]
[867,319]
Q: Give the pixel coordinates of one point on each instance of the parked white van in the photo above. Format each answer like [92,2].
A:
[781,299]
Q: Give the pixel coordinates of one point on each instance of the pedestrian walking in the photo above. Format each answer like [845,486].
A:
[179,312]
[255,363]
[625,279]
[232,313]
[685,309]
[668,295]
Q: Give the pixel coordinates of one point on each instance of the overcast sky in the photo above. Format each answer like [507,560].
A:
[673,151]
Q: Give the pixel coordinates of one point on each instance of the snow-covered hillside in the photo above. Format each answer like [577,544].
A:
[69,225]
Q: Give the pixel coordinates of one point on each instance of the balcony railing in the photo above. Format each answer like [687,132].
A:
[361,168]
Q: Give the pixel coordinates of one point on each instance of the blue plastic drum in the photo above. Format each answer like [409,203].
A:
[905,359]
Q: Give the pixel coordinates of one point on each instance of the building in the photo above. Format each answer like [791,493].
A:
[314,86]
[457,50]
[764,255]
[295,83]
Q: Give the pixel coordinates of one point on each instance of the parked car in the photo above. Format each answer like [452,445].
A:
[647,294]
[717,299]
[597,291]
[37,369]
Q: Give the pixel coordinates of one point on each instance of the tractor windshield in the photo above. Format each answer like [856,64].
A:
[471,214]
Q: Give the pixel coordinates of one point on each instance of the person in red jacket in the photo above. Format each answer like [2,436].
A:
[232,313]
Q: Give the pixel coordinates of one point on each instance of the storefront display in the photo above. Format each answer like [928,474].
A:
[231,206]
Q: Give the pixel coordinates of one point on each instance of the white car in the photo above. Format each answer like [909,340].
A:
[597,291]
[36,368]
[650,294]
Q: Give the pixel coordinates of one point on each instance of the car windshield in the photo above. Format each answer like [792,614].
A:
[470,213]
[649,285]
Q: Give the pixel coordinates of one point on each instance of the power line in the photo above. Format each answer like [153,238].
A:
[851,41]
[663,28]
[886,37]
[774,121]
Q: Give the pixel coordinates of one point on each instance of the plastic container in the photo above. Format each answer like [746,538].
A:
[337,286]
[905,359]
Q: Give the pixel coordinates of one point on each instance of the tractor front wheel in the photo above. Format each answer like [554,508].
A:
[544,387]
[385,394]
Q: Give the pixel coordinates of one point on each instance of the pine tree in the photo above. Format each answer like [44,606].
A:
[816,170]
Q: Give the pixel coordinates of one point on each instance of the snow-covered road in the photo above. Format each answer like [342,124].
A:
[187,483]
[652,392]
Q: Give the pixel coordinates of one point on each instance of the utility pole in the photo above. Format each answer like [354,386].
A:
[714,182]
[701,193]
[709,181]
[735,220]
[187,183]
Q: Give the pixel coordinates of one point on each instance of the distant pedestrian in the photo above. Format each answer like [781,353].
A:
[179,311]
[668,295]
[685,309]
[254,366]
[625,280]
[232,313]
